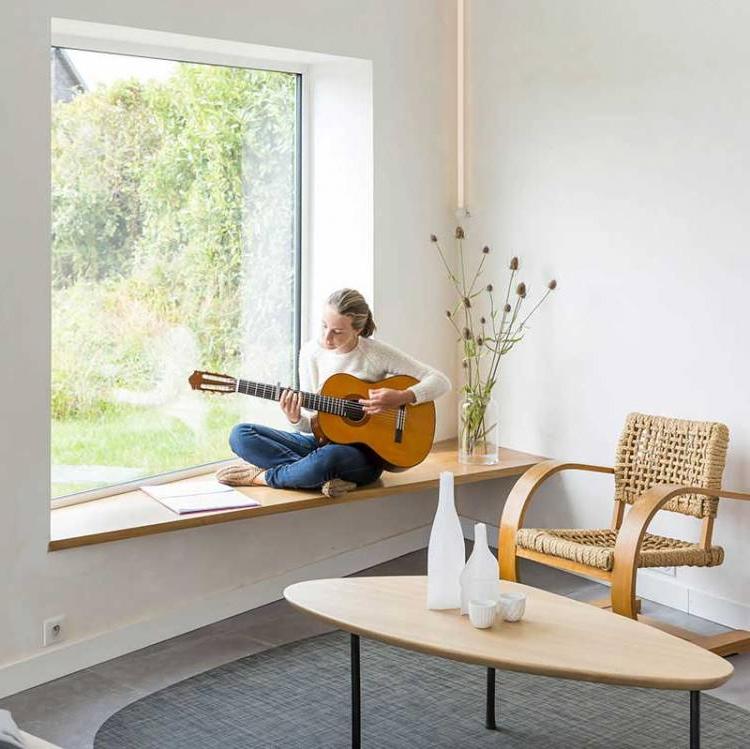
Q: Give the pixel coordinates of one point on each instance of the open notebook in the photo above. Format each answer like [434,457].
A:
[200,495]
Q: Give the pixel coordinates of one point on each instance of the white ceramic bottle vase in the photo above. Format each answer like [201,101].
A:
[446,553]
[480,577]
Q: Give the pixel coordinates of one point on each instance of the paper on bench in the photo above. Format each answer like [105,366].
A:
[201,495]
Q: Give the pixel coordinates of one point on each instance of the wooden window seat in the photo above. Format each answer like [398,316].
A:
[134,513]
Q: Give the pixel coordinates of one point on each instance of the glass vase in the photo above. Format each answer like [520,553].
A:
[478,428]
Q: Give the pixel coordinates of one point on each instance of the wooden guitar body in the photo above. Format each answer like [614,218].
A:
[401,436]
[401,441]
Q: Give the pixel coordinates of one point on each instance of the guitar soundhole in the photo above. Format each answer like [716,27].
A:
[353,412]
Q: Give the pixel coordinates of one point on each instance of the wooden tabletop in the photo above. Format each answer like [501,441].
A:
[135,513]
[557,636]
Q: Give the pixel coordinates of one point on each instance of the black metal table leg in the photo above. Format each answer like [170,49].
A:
[489,720]
[356,700]
[695,720]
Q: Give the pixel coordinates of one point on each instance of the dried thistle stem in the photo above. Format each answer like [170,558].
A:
[535,308]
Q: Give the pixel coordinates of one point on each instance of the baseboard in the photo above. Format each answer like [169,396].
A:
[654,586]
[671,592]
[723,610]
[74,656]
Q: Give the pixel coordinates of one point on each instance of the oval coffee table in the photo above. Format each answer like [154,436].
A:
[557,637]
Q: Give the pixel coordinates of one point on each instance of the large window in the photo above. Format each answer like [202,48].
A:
[175,246]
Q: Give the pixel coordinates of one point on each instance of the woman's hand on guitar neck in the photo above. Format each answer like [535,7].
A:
[383,398]
[290,405]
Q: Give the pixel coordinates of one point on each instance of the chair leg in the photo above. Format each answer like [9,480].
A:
[606,603]
[623,590]
[508,563]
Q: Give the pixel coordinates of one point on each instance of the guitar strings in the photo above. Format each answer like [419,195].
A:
[389,414]
[392,415]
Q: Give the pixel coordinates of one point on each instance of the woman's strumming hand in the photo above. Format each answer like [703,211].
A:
[290,405]
[383,398]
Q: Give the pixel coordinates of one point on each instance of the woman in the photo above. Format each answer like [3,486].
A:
[295,460]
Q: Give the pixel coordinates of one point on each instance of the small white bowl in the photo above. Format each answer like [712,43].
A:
[482,613]
[512,606]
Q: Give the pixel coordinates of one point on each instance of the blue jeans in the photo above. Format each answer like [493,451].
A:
[294,460]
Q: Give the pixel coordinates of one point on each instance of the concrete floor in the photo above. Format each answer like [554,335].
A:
[69,711]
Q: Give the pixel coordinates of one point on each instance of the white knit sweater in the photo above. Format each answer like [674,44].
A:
[369,360]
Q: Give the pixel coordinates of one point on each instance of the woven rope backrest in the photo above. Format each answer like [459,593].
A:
[655,450]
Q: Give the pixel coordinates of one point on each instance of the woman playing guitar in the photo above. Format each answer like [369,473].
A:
[284,459]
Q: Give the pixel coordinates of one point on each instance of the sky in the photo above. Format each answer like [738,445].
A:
[100,67]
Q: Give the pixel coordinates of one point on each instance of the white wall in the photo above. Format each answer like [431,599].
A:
[101,588]
[341,184]
[610,148]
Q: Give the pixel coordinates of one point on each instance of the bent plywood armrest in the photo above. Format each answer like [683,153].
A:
[517,503]
[632,531]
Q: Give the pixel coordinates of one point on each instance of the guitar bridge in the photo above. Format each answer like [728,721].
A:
[400,424]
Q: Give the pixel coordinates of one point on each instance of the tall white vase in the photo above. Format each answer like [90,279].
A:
[480,577]
[446,553]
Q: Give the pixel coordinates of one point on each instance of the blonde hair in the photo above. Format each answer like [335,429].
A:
[351,303]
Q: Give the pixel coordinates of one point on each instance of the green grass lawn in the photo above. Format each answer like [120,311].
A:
[138,438]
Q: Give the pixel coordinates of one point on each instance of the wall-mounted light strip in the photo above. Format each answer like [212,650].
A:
[461,198]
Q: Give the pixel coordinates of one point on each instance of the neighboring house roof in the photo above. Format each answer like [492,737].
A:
[66,80]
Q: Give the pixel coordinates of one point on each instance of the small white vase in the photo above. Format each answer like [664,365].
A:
[480,578]
[446,553]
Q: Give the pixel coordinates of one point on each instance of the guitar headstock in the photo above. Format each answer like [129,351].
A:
[212,382]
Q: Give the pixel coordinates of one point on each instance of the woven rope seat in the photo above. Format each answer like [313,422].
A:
[596,548]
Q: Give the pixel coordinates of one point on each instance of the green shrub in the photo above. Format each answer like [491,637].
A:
[151,184]
[102,337]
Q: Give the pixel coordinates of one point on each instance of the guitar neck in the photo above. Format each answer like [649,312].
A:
[310,401]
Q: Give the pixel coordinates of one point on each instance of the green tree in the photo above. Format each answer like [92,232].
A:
[102,143]
[152,189]
[216,122]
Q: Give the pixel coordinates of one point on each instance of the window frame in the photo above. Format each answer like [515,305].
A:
[121,40]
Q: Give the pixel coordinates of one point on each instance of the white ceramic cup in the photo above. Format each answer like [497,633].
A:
[512,606]
[482,613]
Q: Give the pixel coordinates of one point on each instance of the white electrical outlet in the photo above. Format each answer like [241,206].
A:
[53,630]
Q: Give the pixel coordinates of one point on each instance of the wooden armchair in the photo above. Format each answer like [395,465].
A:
[660,463]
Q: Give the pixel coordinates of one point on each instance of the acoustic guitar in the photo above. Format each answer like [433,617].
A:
[401,436]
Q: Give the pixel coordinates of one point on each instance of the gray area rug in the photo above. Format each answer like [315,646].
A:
[298,695]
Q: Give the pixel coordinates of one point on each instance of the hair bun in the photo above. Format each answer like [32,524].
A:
[351,303]
[369,327]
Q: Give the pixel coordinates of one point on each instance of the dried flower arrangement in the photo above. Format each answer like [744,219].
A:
[483,337]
